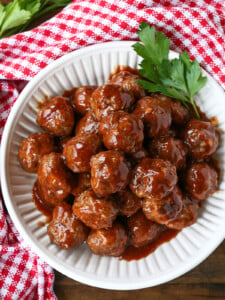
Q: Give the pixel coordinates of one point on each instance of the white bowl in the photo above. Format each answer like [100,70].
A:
[92,65]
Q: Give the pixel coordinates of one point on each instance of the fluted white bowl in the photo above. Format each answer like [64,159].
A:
[92,65]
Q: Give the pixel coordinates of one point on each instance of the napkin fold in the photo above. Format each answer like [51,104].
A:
[197,26]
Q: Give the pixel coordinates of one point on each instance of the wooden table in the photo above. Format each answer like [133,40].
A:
[207,281]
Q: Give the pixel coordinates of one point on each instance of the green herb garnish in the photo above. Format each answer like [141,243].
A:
[178,78]
[19,14]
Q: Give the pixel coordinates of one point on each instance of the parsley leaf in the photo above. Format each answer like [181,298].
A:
[19,14]
[31,6]
[14,16]
[178,78]
[2,13]
[155,47]
[194,79]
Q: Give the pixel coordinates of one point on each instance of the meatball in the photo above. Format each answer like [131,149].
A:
[136,157]
[33,148]
[122,131]
[155,114]
[168,148]
[79,150]
[95,212]
[129,203]
[153,178]
[109,98]
[109,173]
[82,183]
[108,241]
[200,181]
[179,113]
[164,210]
[88,124]
[49,197]
[54,175]
[187,216]
[142,231]
[128,81]
[81,99]
[69,93]
[56,116]
[65,230]
[201,138]
[62,142]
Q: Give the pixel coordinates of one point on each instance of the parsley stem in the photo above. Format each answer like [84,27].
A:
[195,108]
[184,103]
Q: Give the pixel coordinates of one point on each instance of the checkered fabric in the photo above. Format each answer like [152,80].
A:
[198,26]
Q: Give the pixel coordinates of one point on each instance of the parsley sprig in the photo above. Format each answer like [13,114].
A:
[178,78]
[16,16]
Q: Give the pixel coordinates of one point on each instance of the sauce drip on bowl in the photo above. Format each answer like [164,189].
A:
[132,253]
[124,68]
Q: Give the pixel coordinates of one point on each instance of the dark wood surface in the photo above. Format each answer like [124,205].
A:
[206,281]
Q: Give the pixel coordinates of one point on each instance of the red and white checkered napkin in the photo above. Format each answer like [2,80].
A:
[198,26]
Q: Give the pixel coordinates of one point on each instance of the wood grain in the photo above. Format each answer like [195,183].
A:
[207,281]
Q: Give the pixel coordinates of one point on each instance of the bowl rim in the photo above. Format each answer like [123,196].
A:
[183,268]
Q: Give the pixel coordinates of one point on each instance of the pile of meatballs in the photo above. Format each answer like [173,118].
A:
[133,164]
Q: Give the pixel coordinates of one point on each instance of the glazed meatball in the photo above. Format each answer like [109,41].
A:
[187,216]
[142,231]
[95,212]
[82,97]
[164,210]
[88,124]
[54,175]
[129,203]
[65,230]
[33,148]
[56,116]
[109,173]
[179,113]
[136,157]
[155,114]
[62,142]
[79,150]
[70,93]
[122,131]
[49,197]
[109,98]
[168,148]
[128,81]
[201,138]
[153,178]
[108,241]
[81,183]
[200,181]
